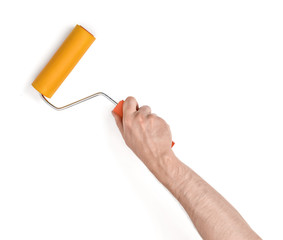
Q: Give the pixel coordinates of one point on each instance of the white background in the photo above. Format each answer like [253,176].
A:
[211,69]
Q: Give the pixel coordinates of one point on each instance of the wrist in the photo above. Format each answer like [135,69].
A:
[170,171]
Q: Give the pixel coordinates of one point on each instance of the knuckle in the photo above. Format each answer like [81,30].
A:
[152,118]
[130,99]
[146,107]
[140,117]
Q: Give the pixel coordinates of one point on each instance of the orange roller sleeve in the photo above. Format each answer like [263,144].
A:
[63,61]
[119,111]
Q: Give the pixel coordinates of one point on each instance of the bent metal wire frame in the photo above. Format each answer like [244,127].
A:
[78,101]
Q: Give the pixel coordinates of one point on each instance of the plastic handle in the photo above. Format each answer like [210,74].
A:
[119,111]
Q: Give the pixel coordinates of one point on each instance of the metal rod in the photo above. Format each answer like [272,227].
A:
[79,101]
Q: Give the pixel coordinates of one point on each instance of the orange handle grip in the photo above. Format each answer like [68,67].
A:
[119,111]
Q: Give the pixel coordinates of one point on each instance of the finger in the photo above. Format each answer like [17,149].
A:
[130,106]
[152,116]
[119,122]
[145,110]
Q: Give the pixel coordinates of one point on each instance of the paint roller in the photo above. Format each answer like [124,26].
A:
[62,63]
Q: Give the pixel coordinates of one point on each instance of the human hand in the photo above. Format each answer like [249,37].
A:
[146,134]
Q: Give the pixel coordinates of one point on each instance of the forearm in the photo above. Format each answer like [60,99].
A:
[211,214]
[149,137]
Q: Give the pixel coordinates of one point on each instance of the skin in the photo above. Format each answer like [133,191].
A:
[149,137]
